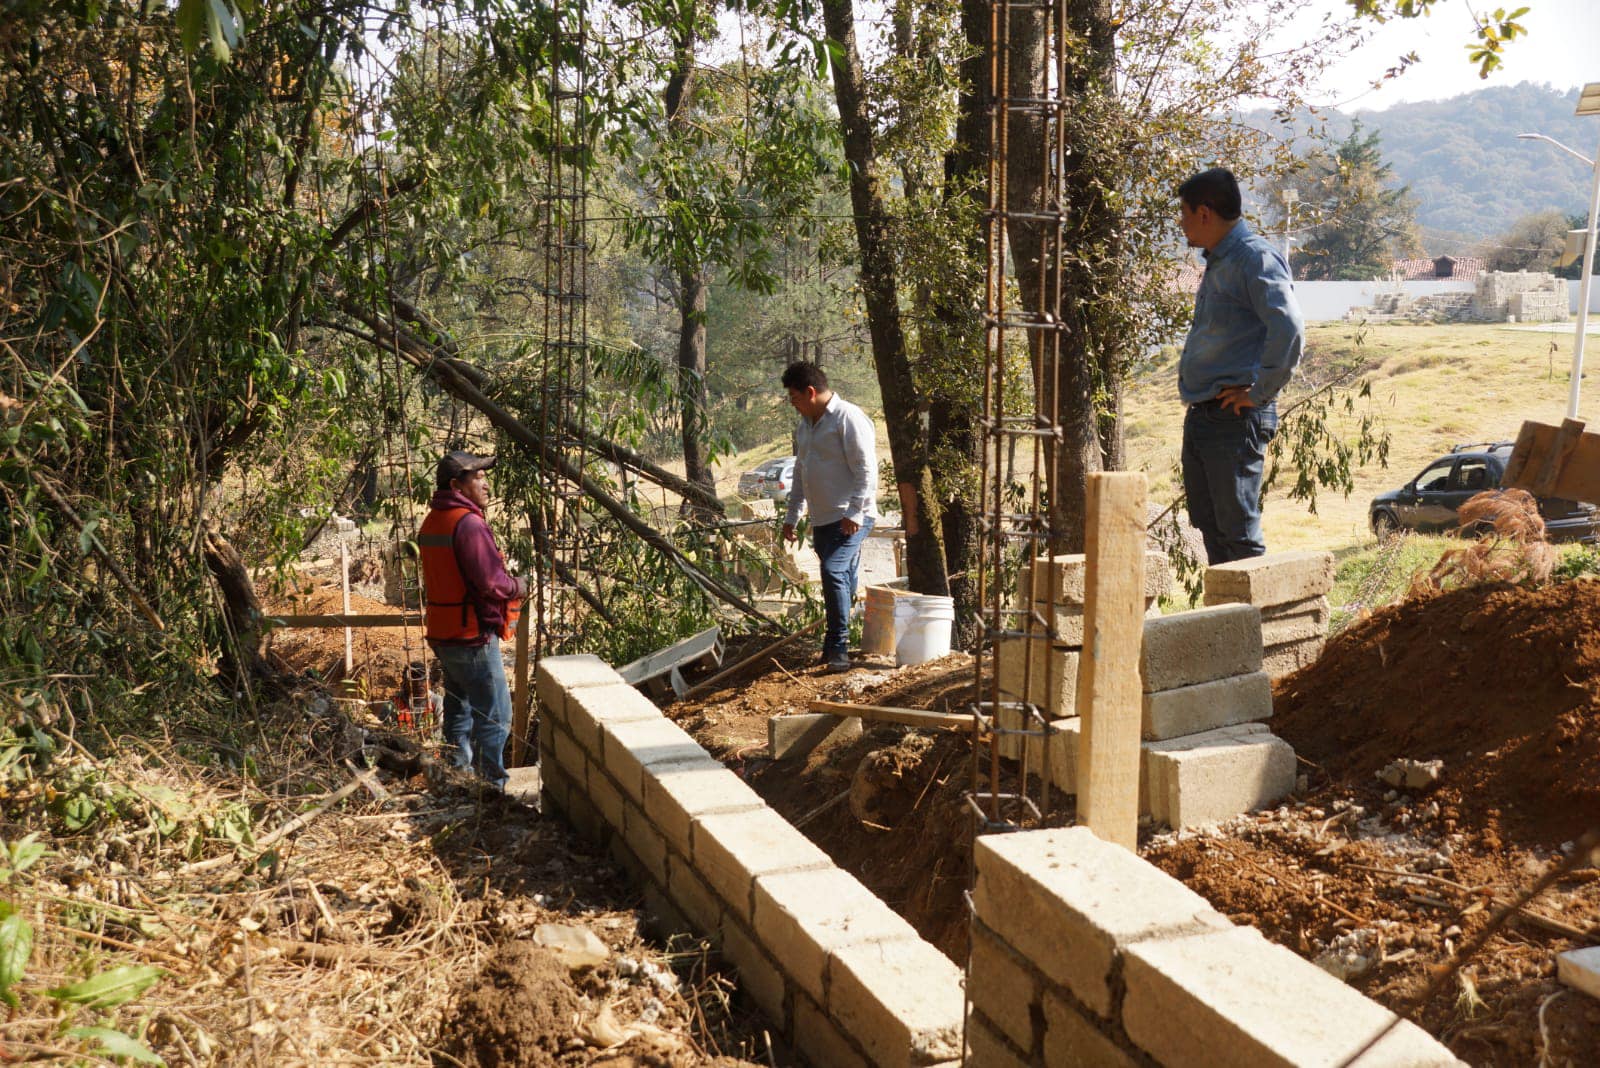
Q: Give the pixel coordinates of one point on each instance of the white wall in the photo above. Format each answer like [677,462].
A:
[1572,298]
[1325,301]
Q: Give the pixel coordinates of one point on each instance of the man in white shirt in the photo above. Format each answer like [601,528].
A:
[835,478]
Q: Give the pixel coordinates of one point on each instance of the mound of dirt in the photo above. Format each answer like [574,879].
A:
[1499,682]
[520,1011]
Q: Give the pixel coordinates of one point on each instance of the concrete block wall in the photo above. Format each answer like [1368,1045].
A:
[835,969]
[1291,592]
[1083,954]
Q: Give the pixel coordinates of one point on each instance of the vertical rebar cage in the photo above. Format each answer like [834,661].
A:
[564,349]
[1021,662]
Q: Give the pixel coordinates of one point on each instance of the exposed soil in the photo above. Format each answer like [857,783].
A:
[1381,887]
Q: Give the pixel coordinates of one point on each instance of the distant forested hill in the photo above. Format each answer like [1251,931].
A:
[1471,176]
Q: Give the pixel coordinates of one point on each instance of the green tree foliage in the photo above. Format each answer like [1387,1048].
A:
[1356,223]
[1531,243]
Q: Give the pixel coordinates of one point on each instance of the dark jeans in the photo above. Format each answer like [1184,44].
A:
[1222,458]
[840,556]
[477,707]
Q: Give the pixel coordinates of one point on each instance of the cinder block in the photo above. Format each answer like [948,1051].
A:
[1199,646]
[1071,1039]
[1204,778]
[1002,986]
[559,674]
[698,903]
[986,1048]
[803,916]
[1052,674]
[759,977]
[1061,579]
[1243,1000]
[1276,578]
[678,791]
[589,708]
[1311,606]
[565,754]
[584,817]
[1069,902]
[1207,705]
[1062,747]
[900,1000]
[547,727]
[634,745]
[820,1040]
[645,839]
[1308,626]
[663,916]
[1580,969]
[730,850]
[606,797]
[1280,660]
[554,784]
[797,737]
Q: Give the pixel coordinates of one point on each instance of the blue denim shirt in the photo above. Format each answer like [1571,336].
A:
[1247,329]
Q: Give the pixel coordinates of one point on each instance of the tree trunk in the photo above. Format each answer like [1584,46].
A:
[907,443]
[692,394]
[241,611]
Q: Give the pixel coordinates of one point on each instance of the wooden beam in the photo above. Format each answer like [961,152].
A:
[521,692]
[386,619]
[1110,698]
[1551,461]
[910,717]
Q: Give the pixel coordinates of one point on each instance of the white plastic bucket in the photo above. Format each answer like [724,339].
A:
[922,627]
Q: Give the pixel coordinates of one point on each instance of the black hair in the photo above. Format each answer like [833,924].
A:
[1216,189]
[804,375]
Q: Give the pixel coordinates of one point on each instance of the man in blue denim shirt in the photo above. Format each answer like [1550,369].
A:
[1242,348]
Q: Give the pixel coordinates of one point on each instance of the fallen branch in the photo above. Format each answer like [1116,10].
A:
[289,828]
[1565,930]
[911,717]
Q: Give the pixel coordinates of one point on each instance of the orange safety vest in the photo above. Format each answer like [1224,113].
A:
[450,615]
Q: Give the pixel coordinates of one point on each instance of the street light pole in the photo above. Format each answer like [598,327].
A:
[1588,104]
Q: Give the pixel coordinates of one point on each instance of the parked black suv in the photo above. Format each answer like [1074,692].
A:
[1429,501]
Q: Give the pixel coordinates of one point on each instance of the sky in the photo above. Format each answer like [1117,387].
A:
[1561,48]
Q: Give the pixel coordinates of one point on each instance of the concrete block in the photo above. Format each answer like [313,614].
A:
[662,916]
[1052,674]
[697,901]
[900,1000]
[1311,606]
[554,784]
[1003,987]
[1199,646]
[1060,579]
[584,817]
[1243,1000]
[1580,969]
[1071,1040]
[565,754]
[634,745]
[606,797]
[1276,578]
[759,976]
[803,916]
[1280,660]
[547,727]
[1207,705]
[1062,747]
[589,708]
[677,791]
[1204,778]
[797,737]
[820,1041]
[1298,628]
[644,838]
[986,1048]
[523,783]
[730,850]
[1070,902]
[557,675]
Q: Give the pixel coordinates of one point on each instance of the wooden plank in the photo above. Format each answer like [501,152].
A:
[1555,461]
[356,619]
[1109,692]
[910,717]
[1573,461]
[344,588]
[521,692]
[1521,453]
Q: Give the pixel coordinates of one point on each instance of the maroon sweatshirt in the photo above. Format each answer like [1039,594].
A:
[489,586]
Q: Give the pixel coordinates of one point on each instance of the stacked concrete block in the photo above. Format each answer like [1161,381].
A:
[829,963]
[1084,954]
[1043,671]
[1291,592]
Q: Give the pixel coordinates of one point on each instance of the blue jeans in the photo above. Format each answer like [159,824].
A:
[840,556]
[1222,458]
[477,707]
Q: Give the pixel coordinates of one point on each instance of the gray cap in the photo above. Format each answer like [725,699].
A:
[457,463]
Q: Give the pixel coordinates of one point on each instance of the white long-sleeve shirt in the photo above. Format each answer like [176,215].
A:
[835,466]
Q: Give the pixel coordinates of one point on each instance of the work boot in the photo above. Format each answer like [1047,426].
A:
[838,663]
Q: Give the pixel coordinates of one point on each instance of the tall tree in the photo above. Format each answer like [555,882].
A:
[1359,223]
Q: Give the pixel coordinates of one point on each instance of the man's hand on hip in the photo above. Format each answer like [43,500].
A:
[788,532]
[1235,399]
[849,526]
